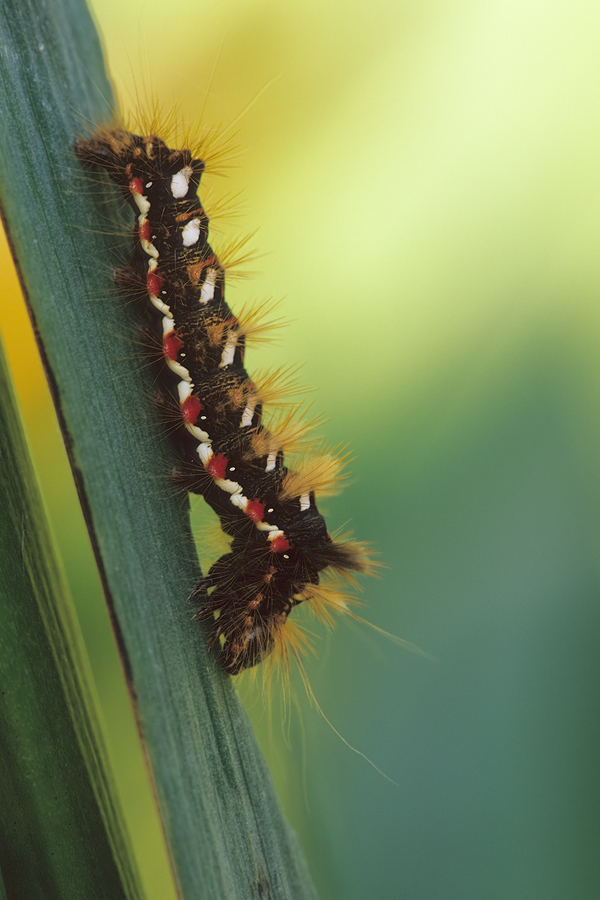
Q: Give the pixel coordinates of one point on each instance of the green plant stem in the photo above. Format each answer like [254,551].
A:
[227,835]
[61,833]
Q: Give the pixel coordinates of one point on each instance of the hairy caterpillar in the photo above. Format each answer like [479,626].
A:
[280,543]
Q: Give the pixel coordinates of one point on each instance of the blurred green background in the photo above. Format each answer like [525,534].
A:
[425,180]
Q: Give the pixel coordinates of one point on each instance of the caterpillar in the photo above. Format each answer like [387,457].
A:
[280,546]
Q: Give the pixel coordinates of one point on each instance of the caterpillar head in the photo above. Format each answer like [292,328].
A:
[246,645]
[245,608]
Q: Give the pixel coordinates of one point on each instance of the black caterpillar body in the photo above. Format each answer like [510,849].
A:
[280,543]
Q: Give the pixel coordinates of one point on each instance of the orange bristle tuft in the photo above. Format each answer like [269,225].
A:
[254,323]
[231,258]
[322,474]
[284,431]
[275,387]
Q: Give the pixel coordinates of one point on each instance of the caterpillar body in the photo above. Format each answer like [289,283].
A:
[279,540]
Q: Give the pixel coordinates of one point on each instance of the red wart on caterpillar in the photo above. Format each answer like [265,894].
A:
[280,543]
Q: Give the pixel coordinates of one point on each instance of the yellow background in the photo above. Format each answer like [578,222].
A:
[425,181]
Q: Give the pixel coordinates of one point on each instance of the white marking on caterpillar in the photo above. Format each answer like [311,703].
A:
[178,369]
[198,433]
[184,390]
[207,291]
[180,182]
[173,364]
[240,501]
[142,203]
[205,452]
[154,300]
[304,502]
[264,526]
[271,460]
[249,413]
[275,533]
[190,233]
[148,248]
[161,307]
[232,487]
[228,354]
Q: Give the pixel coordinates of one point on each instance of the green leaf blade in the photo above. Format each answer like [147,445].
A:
[61,834]
[226,832]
